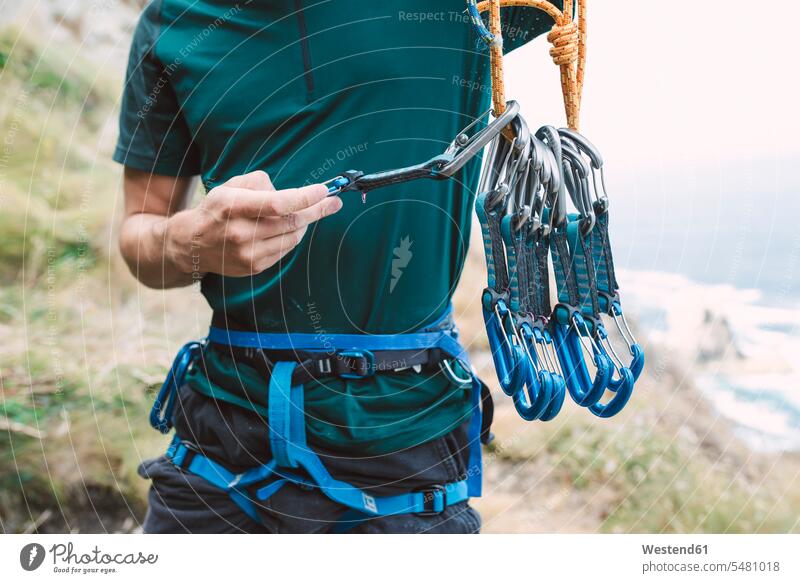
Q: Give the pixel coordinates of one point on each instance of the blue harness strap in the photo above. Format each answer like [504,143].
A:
[298,453]
[280,414]
[293,461]
[367,342]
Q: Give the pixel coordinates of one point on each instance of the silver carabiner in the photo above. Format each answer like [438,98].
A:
[463,148]
[450,373]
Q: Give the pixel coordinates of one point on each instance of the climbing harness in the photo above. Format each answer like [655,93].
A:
[540,351]
[288,361]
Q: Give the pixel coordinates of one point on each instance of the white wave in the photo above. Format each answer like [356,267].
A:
[742,349]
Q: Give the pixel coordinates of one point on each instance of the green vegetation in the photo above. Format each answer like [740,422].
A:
[682,474]
[71,410]
[667,485]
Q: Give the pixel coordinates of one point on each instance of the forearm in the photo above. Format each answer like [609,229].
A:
[150,249]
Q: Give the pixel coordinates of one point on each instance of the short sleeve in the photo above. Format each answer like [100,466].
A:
[153,134]
[523,24]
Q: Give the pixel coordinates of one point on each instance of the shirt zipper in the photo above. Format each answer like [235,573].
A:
[301,23]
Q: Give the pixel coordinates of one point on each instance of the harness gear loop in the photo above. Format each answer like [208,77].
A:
[568,51]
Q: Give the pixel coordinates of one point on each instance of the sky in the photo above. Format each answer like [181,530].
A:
[669,83]
[695,112]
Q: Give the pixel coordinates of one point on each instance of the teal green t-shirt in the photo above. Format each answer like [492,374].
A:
[304,91]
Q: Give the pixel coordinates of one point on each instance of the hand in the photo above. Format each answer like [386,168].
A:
[245,226]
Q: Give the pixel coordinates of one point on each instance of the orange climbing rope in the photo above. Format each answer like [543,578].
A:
[568,51]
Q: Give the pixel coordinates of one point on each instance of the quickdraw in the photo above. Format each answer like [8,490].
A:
[539,351]
[507,355]
[522,208]
[460,151]
[592,264]
[514,301]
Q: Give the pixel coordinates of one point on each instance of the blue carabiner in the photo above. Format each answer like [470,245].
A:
[536,392]
[584,390]
[622,387]
[615,310]
[164,403]
[637,364]
[546,389]
[557,400]
[559,384]
[535,396]
[506,355]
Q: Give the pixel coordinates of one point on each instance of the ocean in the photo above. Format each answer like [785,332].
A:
[709,262]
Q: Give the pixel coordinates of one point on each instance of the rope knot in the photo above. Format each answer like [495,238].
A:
[565,39]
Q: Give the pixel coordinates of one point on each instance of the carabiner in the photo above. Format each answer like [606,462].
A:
[615,311]
[537,398]
[164,403]
[545,387]
[622,387]
[571,351]
[463,148]
[506,355]
[585,146]
[557,195]
[576,172]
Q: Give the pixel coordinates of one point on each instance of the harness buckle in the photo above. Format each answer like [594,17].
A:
[430,496]
[357,361]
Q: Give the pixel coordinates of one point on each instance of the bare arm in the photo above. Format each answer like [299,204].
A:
[241,228]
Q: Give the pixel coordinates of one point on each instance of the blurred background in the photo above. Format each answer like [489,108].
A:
[694,111]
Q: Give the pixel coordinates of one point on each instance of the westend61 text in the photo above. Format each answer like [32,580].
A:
[673,550]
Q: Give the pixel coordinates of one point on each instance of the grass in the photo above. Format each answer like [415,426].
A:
[663,485]
[70,411]
[684,472]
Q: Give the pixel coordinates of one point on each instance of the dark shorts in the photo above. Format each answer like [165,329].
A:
[181,502]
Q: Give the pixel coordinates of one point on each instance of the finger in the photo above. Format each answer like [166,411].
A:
[256,180]
[281,244]
[291,200]
[253,256]
[268,261]
[255,204]
[272,226]
[263,254]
